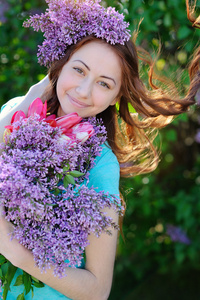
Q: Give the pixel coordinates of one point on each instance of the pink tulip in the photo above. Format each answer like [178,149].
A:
[82,131]
[51,120]
[17,116]
[65,139]
[51,117]
[9,128]
[52,123]
[70,124]
[68,121]
[39,108]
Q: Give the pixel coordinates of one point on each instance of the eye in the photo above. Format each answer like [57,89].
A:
[79,70]
[104,84]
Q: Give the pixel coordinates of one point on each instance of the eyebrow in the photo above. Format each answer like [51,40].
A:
[109,78]
[83,63]
[106,77]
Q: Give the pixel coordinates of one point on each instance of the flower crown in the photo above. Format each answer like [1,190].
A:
[66,22]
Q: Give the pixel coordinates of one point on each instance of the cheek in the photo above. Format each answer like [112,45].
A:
[102,98]
[66,82]
[59,86]
[62,86]
[101,102]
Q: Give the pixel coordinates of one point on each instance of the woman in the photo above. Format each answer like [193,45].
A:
[90,78]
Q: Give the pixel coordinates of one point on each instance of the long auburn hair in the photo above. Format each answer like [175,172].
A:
[194,68]
[131,135]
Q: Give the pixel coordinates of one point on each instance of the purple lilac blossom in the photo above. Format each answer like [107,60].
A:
[54,226]
[197,97]
[66,22]
[197,136]
[4,5]
[177,234]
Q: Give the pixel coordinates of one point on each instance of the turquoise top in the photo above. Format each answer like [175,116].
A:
[104,177]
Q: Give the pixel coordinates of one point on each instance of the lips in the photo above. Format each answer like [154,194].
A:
[77,103]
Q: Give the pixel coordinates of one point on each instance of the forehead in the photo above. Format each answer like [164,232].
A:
[98,55]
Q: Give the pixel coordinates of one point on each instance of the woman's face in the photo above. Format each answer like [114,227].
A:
[90,81]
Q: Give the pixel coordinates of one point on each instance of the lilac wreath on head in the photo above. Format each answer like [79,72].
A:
[66,22]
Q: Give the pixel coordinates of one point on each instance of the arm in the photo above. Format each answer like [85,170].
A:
[93,282]
[34,92]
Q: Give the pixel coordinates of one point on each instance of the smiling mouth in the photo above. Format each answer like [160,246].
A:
[77,103]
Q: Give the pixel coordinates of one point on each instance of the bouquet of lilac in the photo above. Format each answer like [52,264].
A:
[43,186]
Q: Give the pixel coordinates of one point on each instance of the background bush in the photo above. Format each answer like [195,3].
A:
[159,256]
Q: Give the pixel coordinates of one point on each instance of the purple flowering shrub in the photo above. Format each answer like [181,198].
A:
[177,234]
[43,187]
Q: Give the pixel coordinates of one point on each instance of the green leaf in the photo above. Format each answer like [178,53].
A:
[56,192]
[35,279]
[60,176]
[27,282]
[65,169]
[50,204]
[19,280]
[2,259]
[65,182]
[76,173]
[4,268]
[70,179]
[21,297]
[11,270]
[38,284]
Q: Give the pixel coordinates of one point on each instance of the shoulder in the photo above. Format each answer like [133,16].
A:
[104,176]
[11,103]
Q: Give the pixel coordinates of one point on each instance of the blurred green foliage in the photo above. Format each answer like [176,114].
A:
[149,264]
[18,48]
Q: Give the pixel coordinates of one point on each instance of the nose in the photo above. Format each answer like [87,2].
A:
[84,88]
